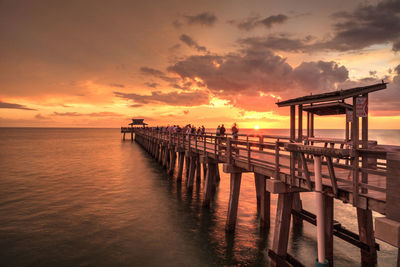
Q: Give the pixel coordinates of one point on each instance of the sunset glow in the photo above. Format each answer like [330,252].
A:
[256,127]
[170,64]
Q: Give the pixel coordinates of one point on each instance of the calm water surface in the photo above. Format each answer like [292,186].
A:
[83,197]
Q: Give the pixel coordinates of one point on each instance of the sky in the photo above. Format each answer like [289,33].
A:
[206,62]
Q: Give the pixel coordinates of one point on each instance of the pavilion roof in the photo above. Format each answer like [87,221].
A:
[332,96]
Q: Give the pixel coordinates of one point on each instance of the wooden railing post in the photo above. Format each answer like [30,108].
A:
[229,150]
[277,170]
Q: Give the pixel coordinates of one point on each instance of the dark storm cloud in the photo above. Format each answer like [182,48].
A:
[192,43]
[204,19]
[195,98]
[14,106]
[252,22]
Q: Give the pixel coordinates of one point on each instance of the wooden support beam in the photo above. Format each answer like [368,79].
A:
[263,200]
[181,159]
[366,233]
[236,178]
[297,206]
[258,185]
[187,165]
[210,176]
[217,175]
[332,175]
[204,170]
[329,215]
[172,161]
[198,169]
[306,171]
[192,169]
[282,225]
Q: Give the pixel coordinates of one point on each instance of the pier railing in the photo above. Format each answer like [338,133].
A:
[364,186]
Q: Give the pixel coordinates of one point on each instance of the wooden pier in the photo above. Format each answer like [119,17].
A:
[361,173]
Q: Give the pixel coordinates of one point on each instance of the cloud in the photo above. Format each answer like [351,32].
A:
[252,22]
[203,19]
[367,25]
[254,71]
[40,117]
[151,84]
[320,74]
[157,73]
[151,71]
[117,85]
[194,98]
[280,42]
[93,114]
[192,43]
[14,106]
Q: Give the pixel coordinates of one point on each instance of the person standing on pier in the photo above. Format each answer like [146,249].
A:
[222,131]
[235,131]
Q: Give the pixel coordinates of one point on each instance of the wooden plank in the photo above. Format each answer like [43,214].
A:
[332,175]
[233,201]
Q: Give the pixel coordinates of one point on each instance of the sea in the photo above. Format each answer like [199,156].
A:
[85,197]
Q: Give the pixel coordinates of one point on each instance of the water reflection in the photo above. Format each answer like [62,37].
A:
[83,197]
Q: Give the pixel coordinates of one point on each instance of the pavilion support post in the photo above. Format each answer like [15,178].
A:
[282,227]
[364,137]
[181,158]
[131,135]
[296,197]
[123,138]
[312,125]
[354,138]
[236,178]
[210,176]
